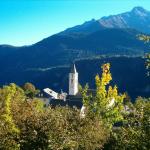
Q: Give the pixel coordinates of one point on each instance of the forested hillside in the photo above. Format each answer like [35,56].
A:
[128,73]
[27,124]
[109,36]
[63,49]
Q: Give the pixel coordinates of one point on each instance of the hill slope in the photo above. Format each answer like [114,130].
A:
[128,73]
[62,49]
[112,35]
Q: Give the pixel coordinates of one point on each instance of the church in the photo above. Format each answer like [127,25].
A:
[73,98]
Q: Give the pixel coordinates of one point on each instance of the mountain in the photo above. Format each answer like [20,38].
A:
[62,49]
[109,36]
[112,35]
[128,73]
[138,18]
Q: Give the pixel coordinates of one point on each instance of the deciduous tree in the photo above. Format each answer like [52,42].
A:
[107,102]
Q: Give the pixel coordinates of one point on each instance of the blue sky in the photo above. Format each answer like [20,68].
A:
[24,22]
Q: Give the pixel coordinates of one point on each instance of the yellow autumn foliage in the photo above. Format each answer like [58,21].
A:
[107,102]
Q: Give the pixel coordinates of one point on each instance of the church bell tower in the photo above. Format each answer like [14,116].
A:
[73,81]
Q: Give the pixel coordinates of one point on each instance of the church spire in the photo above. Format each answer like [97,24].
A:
[73,68]
[73,80]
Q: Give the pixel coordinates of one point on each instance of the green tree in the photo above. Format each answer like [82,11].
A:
[26,124]
[14,107]
[146,39]
[9,131]
[60,128]
[30,90]
[135,133]
[106,103]
[70,131]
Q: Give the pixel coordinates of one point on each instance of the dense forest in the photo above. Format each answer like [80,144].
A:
[126,71]
[27,124]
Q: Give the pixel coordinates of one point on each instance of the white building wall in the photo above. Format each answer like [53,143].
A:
[73,83]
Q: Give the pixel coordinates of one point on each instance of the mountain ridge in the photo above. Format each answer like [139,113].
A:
[122,20]
[62,49]
[94,25]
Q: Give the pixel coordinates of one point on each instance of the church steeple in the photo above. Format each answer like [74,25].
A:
[73,80]
[73,68]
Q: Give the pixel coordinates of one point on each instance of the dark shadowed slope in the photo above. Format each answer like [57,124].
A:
[62,49]
[128,73]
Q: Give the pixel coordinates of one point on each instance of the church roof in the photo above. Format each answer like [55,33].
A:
[70,101]
[73,69]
